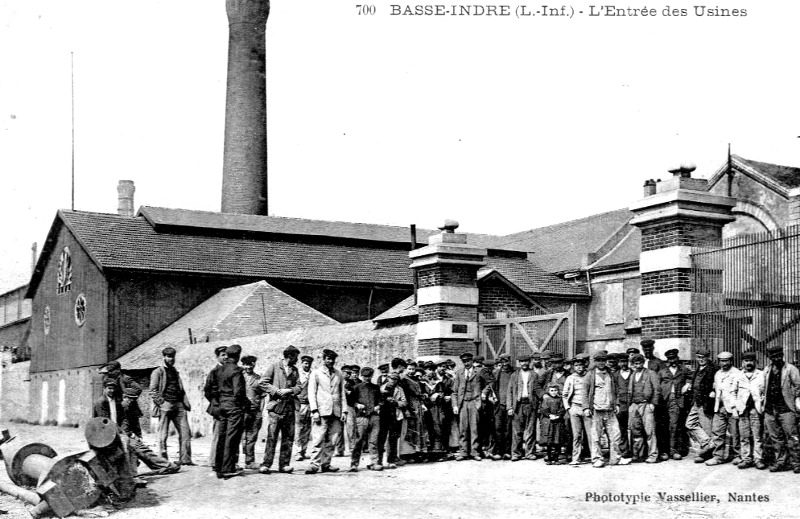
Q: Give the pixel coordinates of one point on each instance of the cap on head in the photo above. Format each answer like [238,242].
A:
[366,371]
[249,360]
[601,356]
[524,358]
[109,383]
[383,367]
[637,357]
[480,359]
[702,352]
[220,350]
[647,343]
[169,351]
[632,351]
[234,350]
[775,349]
[330,354]
[466,356]
[290,351]
[725,355]
[581,357]
[306,358]
[749,355]
[672,354]
[557,357]
[504,357]
[546,355]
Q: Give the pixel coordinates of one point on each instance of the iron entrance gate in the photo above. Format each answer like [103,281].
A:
[746,294]
[525,335]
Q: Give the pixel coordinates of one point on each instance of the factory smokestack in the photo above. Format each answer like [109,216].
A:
[244,170]
[125,191]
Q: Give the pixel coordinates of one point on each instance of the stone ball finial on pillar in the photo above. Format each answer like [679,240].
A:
[449,226]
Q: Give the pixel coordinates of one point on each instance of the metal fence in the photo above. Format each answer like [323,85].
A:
[746,293]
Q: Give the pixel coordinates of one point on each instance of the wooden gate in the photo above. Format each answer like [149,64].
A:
[516,336]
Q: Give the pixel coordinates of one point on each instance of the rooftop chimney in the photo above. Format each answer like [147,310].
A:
[125,190]
[244,169]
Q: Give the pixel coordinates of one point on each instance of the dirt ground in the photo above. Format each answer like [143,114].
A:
[451,489]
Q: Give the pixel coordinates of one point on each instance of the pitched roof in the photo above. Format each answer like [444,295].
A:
[187,221]
[531,278]
[119,242]
[564,246]
[787,176]
[349,338]
[241,311]
[624,252]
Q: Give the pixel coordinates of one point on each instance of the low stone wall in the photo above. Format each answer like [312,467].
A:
[64,397]
[356,343]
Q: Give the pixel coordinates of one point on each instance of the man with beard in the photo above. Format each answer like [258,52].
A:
[502,420]
[673,385]
[600,405]
[280,382]
[751,415]
[522,398]
[698,422]
[782,394]
[253,417]
[643,393]
[303,420]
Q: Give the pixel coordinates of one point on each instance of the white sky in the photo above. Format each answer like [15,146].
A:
[504,124]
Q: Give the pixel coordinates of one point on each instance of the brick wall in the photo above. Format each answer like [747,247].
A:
[496,297]
[445,347]
[447,312]
[663,281]
[446,275]
[667,326]
[678,233]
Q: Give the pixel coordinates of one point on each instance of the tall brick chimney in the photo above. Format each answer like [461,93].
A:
[244,170]
[125,190]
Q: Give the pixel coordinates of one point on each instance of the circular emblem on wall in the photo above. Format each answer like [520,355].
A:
[46,320]
[80,309]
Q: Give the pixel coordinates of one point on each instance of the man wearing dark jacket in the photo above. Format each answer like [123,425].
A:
[522,398]
[303,420]
[468,394]
[128,392]
[621,377]
[365,399]
[211,392]
[279,381]
[698,423]
[232,403]
[673,379]
[502,422]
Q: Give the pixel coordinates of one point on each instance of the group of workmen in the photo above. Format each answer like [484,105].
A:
[632,405]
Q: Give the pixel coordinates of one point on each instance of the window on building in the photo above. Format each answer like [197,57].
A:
[65,271]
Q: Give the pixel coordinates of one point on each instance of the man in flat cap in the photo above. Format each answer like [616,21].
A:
[468,392]
[782,400]
[651,362]
[726,412]
[750,402]
[487,433]
[128,392]
[110,406]
[576,391]
[232,403]
[383,374]
[328,404]
[502,421]
[253,415]
[391,415]
[522,397]
[643,394]
[280,382]
[601,406]
[303,423]
[171,405]
[674,384]
[434,391]
[211,392]
[365,399]
[621,377]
